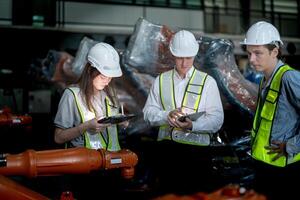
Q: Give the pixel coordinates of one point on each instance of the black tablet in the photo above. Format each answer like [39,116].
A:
[193,116]
[116,119]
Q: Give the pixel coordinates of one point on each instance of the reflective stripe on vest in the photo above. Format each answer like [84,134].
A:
[112,131]
[263,122]
[190,104]
[97,141]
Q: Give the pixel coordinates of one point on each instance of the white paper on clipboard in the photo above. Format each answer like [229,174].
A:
[193,116]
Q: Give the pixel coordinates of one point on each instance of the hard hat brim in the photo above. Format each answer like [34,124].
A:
[109,73]
[255,44]
[184,55]
[114,74]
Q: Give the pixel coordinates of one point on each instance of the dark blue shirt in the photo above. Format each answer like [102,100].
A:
[287,117]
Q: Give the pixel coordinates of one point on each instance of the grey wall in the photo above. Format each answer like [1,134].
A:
[5,12]
[121,19]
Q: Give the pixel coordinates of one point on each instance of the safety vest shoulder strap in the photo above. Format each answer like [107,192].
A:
[275,85]
[75,92]
[91,140]
[112,131]
[269,107]
[190,103]
[193,92]
[263,121]
[166,89]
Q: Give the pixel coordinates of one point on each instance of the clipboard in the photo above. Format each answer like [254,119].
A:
[116,119]
[193,116]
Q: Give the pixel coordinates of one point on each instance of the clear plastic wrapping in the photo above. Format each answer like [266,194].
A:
[148,52]
[216,57]
[148,48]
[80,58]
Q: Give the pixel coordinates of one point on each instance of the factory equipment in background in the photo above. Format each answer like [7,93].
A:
[146,56]
[148,53]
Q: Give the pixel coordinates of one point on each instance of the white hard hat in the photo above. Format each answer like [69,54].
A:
[262,33]
[106,59]
[184,44]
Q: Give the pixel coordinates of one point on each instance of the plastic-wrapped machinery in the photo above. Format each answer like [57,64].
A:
[148,53]
[216,57]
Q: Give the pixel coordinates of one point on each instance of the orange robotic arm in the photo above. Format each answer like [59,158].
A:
[10,190]
[67,161]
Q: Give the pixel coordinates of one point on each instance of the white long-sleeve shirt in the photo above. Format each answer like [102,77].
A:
[210,103]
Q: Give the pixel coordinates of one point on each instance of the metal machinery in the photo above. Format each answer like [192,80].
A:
[9,119]
[229,192]
[15,131]
[57,162]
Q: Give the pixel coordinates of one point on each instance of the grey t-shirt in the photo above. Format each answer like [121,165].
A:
[68,116]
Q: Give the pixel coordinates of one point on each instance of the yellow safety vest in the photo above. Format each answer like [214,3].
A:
[97,141]
[263,121]
[190,103]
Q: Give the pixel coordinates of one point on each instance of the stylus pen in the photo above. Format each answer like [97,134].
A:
[122,109]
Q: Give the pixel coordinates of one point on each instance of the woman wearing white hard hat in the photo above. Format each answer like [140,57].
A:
[91,99]
[178,92]
[276,127]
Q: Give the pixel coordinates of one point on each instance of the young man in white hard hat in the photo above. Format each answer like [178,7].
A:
[276,127]
[92,98]
[184,90]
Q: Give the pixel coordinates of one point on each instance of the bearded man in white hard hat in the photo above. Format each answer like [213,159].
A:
[181,91]
[276,127]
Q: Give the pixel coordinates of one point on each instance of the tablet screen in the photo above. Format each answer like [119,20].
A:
[116,119]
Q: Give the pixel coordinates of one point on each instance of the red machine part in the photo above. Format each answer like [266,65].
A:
[8,119]
[229,192]
[10,190]
[67,161]
[67,196]
[5,110]
[63,74]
